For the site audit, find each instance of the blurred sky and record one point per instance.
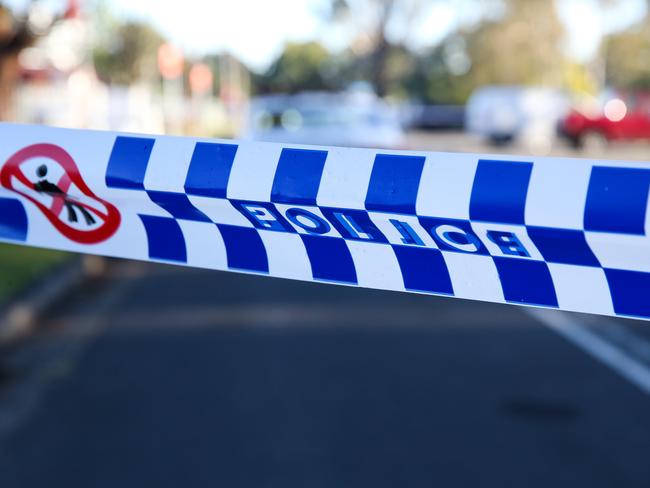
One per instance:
(255, 30)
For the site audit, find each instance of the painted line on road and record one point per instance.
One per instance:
(570, 327)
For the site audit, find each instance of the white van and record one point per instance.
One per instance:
(527, 115)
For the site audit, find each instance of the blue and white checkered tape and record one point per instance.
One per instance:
(552, 232)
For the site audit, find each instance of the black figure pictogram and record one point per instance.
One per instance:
(44, 186)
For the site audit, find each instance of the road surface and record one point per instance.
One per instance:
(166, 376)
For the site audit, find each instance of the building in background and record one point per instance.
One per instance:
(60, 85)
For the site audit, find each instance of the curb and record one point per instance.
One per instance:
(19, 316)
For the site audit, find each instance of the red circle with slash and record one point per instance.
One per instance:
(110, 218)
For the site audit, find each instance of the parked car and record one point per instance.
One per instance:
(616, 115)
(434, 116)
(337, 119)
(504, 114)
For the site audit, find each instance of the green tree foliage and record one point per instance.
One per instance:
(440, 75)
(398, 65)
(128, 53)
(380, 57)
(213, 60)
(627, 57)
(309, 66)
(14, 36)
(14, 33)
(523, 47)
(301, 66)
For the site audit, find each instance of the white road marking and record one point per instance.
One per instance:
(618, 359)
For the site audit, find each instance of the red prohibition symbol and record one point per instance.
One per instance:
(96, 219)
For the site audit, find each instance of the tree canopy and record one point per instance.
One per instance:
(523, 46)
(301, 66)
(128, 53)
(627, 56)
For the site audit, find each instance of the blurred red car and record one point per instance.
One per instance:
(619, 116)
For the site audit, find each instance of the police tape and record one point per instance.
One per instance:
(551, 232)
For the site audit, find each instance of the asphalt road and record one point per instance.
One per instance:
(165, 376)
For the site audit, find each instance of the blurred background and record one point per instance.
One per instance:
(138, 373)
(347, 72)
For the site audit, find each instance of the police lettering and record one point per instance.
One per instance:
(447, 234)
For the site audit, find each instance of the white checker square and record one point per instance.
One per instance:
(446, 185)
(620, 251)
(135, 202)
(345, 178)
(376, 266)
(219, 210)
(204, 244)
(168, 164)
(130, 240)
(474, 276)
(557, 193)
(287, 255)
(253, 171)
(581, 288)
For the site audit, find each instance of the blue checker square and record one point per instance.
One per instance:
(210, 168)
(617, 199)
(394, 183)
(297, 177)
(178, 205)
(563, 246)
(526, 281)
(128, 162)
(630, 291)
(13, 220)
(244, 248)
(499, 191)
(423, 269)
(165, 238)
(330, 259)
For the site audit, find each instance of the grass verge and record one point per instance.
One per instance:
(21, 265)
